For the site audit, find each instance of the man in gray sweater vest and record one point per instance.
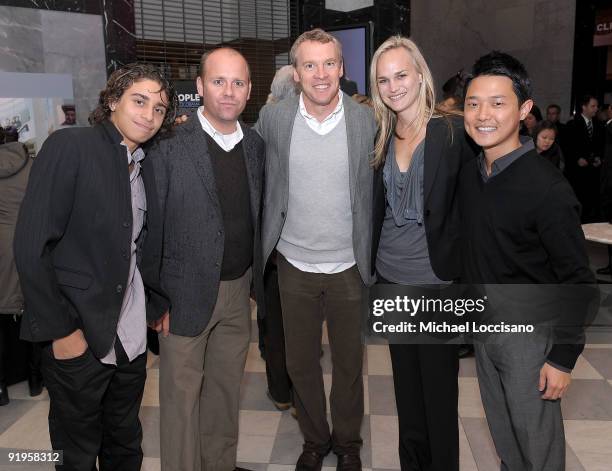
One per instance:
(317, 213)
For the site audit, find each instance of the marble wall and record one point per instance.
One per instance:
(43, 41)
(454, 33)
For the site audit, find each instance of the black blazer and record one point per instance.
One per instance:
(193, 224)
(73, 238)
(446, 149)
(580, 145)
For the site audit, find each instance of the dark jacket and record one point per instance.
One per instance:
(193, 223)
(446, 150)
(15, 165)
(73, 238)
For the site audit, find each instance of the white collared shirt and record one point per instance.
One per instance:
(586, 120)
(226, 141)
(329, 123)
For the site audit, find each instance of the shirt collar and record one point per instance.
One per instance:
(137, 156)
(505, 161)
(210, 129)
(338, 109)
(586, 120)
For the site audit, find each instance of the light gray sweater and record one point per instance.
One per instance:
(319, 223)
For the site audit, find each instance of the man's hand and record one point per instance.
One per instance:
(162, 324)
(71, 346)
(554, 381)
(582, 162)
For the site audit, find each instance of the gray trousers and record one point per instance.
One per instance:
(199, 385)
(527, 430)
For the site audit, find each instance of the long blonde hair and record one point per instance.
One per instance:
(426, 100)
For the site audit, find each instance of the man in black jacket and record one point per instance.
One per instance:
(87, 242)
(521, 226)
(583, 160)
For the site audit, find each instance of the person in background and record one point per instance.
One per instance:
(15, 166)
(583, 159)
(533, 118)
(452, 93)
(69, 115)
(544, 138)
(553, 114)
(419, 152)
(271, 326)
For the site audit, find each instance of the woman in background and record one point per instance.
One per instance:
(418, 155)
(544, 138)
(531, 121)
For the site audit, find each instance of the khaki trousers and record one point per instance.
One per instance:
(199, 385)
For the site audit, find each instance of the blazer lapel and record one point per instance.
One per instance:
(253, 166)
(433, 155)
(285, 131)
(197, 150)
(353, 137)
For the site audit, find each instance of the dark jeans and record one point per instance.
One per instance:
(307, 299)
(279, 383)
(426, 395)
(94, 410)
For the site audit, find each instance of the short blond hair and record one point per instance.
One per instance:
(316, 35)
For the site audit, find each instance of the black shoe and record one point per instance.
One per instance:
(278, 405)
(35, 383)
(309, 461)
(350, 462)
(604, 270)
(4, 398)
(241, 469)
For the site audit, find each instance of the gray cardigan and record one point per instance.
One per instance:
(275, 125)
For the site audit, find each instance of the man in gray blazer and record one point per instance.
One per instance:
(210, 178)
(317, 214)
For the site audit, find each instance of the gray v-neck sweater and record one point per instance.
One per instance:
(319, 223)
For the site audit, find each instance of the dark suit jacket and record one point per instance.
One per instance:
(580, 145)
(446, 150)
(73, 238)
(193, 223)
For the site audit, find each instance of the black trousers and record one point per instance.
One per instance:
(426, 394)
(94, 410)
(279, 383)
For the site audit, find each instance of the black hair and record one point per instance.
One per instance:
(585, 99)
(543, 125)
(505, 65)
(122, 79)
(453, 87)
(554, 105)
(11, 134)
(535, 111)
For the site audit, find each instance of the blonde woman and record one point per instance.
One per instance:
(418, 155)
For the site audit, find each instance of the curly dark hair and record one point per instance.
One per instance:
(122, 79)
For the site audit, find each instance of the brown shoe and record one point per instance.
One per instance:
(309, 461)
(350, 462)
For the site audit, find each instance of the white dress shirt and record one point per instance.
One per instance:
(226, 141)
